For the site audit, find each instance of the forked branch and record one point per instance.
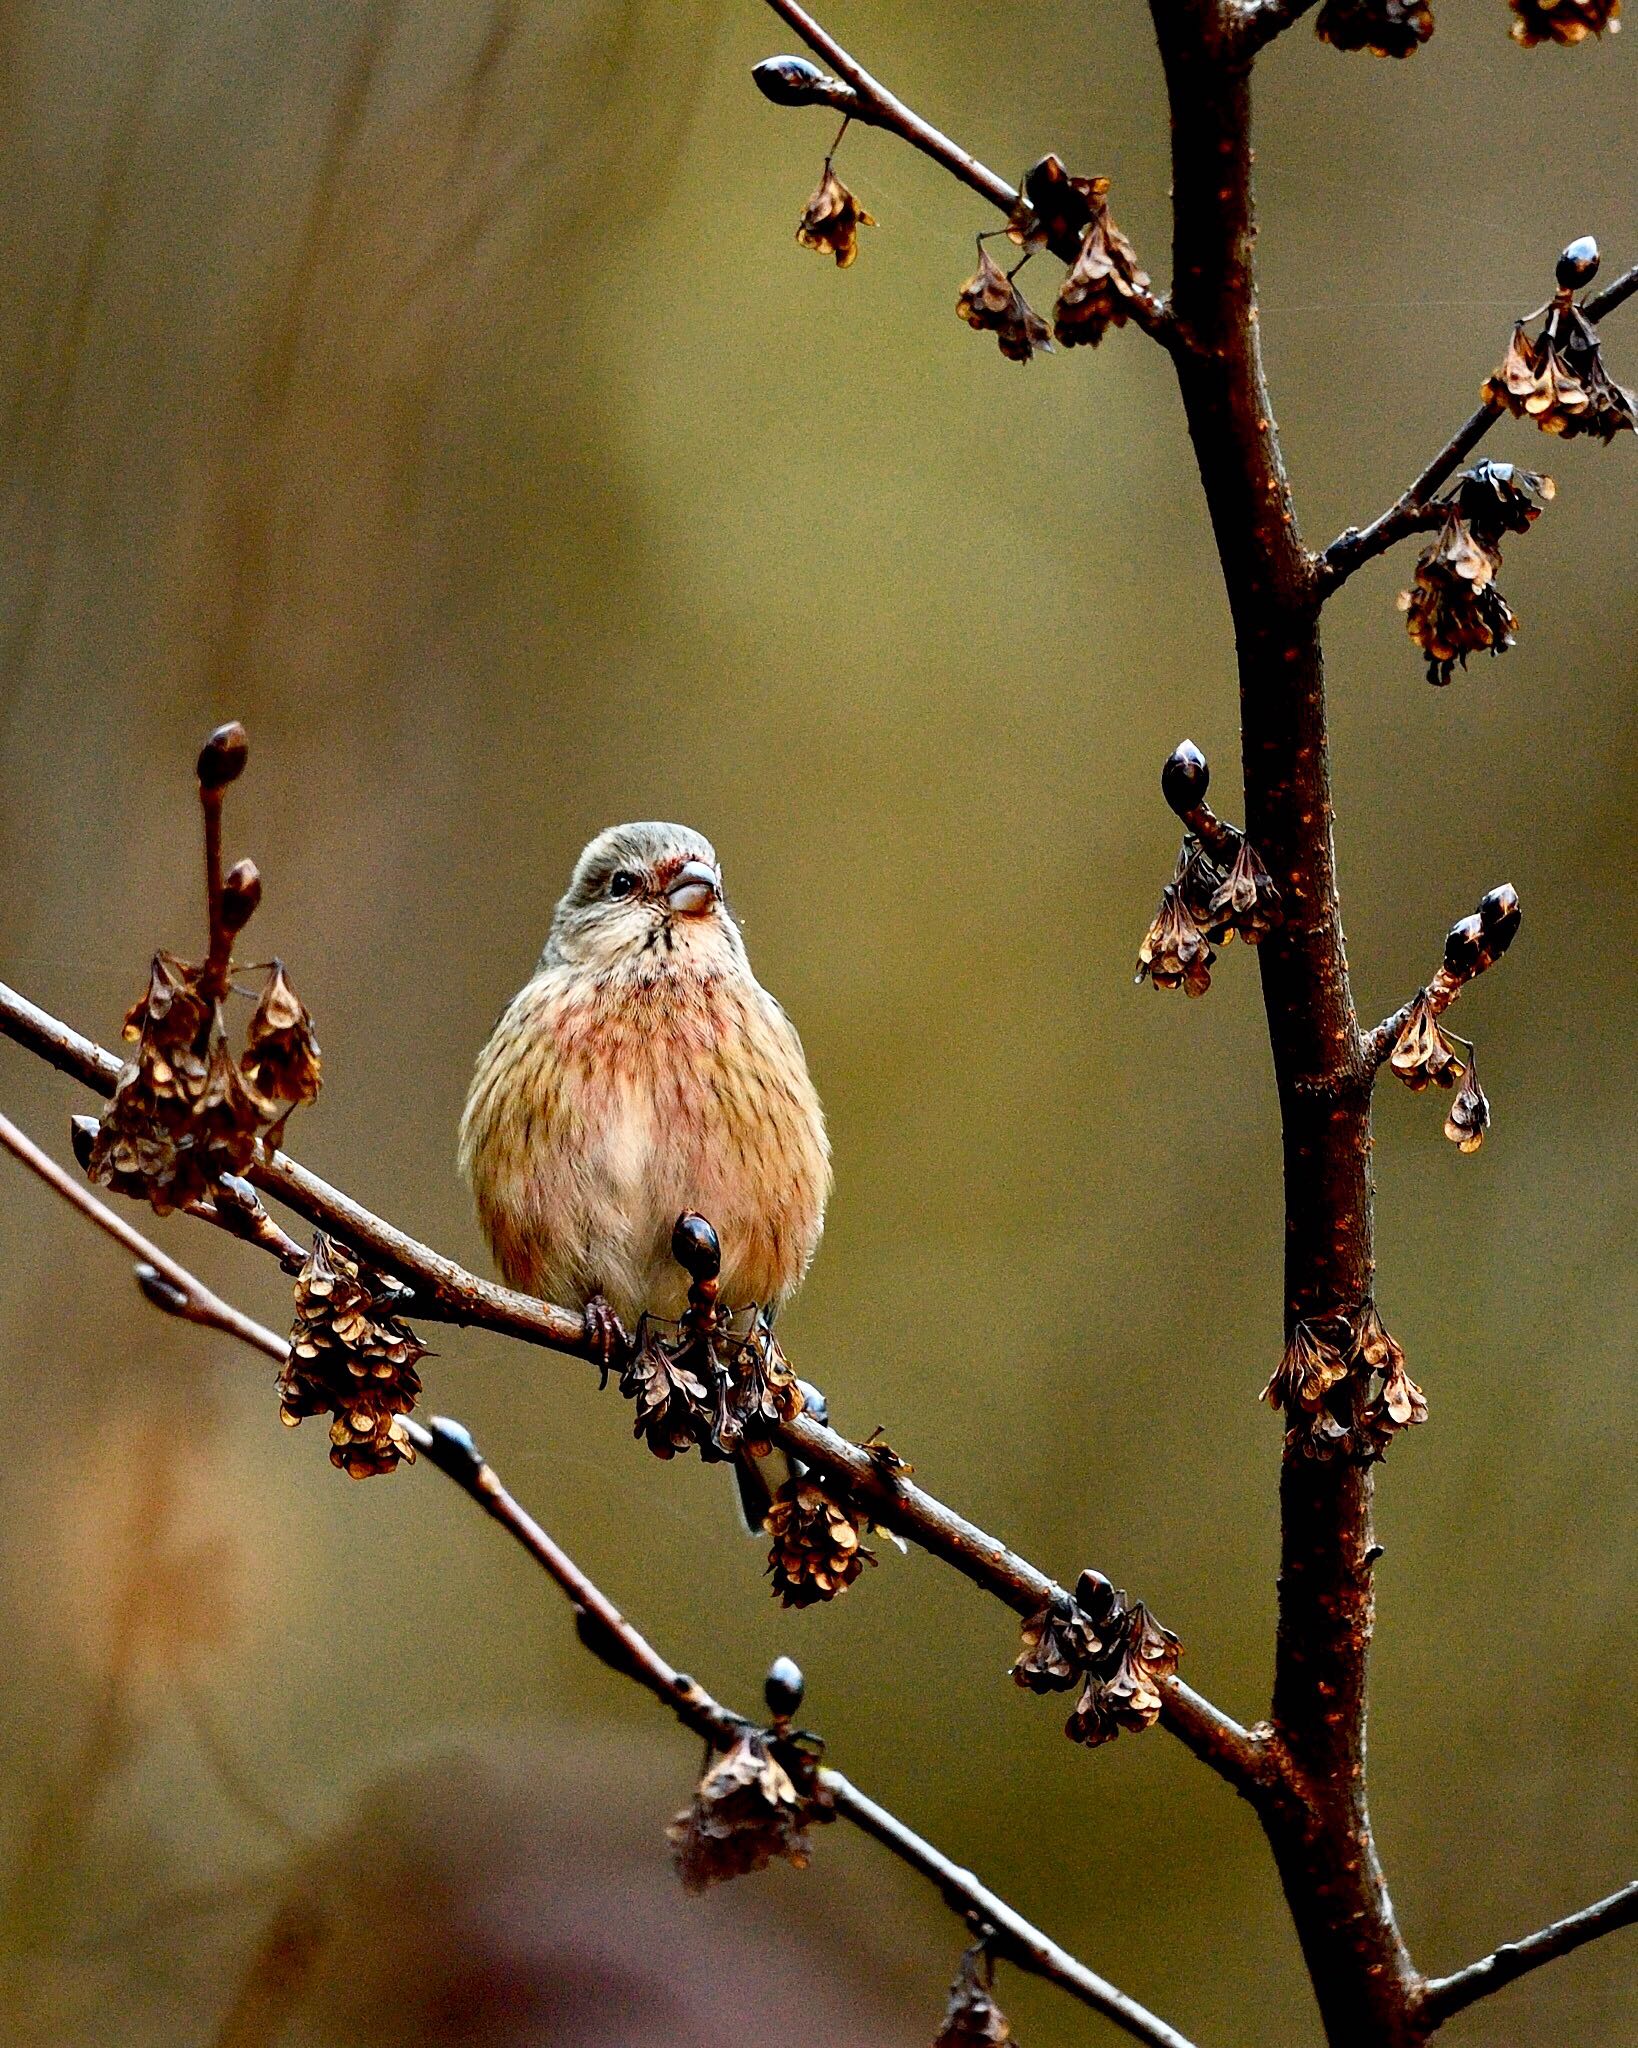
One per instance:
(1444, 1996)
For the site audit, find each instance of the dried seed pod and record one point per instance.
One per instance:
(1563, 21)
(1310, 1366)
(223, 756)
(1102, 285)
(991, 302)
(1422, 1053)
(282, 1059)
(1469, 1116)
(1053, 210)
(353, 1359)
(746, 1812)
(818, 1544)
(1454, 608)
(1060, 1644)
(1499, 497)
(1560, 381)
(1245, 901)
(831, 220)
(1387, 28)
(972, 2019)
(1175, 953)
(1125, 1694)
(676, 1411)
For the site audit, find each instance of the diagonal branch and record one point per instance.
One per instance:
(605, 1631)
(1412, 512)
(445, 1291)
(1514, 1959)
(855, 93)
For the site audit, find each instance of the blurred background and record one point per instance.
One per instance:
(439, 389)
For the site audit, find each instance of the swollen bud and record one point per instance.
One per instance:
(1465, 947)
(241, 892)
(223, 756)
(163, 1293)
(82, 1135)
(791, 81)
(695, 1248)
(1578, 265)
(1185, 778)
(450, 1447)
(783, 1687)
(1095, 1596)
(1499, 914)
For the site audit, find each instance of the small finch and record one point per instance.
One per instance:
(642, 1072)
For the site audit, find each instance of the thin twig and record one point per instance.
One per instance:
(865, 99)
(1514, 1959)
(445, 1291)
(609, 1635)
(1411, 512)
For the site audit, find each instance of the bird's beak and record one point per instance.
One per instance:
(693, 889)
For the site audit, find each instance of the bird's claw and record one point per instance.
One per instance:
(606, 1341)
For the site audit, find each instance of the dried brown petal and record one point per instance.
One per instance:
(1422, 1053)
(1245, 901)
(1563, 21)
(764, 1392)
(746, 1812)
(972, 2019)
(831, 220)
(281, 1058)
(1309, 1367)
(1125, 1694)
(1060, 1644)
(990, 301)
(1100, 288)
(1560, 381)
(1387, 28)
(1175, 953)
(351, 1358)
(676, 1410)
(818, 1545)
(1469, 1116)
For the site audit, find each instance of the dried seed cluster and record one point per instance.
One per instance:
(818, 1546)
(1563, 21)
(1558, 379)
(1114, 1650)
(752, 1806)
(992, 302)
(351, 1358)
(1220, 887)
(1422, 1054)
(1399, 28)
(972, 2019)
(831, 220)
(1454, 608)
(1342, 1383)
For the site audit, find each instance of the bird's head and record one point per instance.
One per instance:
(646, 893)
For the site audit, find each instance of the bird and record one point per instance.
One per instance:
(641, 1073)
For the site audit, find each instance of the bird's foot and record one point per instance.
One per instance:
(607, 1344)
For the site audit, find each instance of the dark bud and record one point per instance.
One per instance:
(1579, 264)
(452, 1450)
(1465, 947)
(241, 892)
(223, 756)
(1499, 914)
(1095, 1597)
(792, 81)
(783, 1687)
(695, 1248)
(1185, 778)
(82, 1135)
(164, 1294)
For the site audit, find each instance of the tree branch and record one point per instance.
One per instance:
(446, 1291)
(606, 1632)
(1411, 511)
(1257, 22)
(1514, 1959)
(855, 93)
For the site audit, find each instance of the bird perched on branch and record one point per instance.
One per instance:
(643, 1072)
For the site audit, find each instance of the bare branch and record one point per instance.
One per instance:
(1443, 1996)
(607, 1633)
(446, 1291)
(1472, 946)
(1411, 512)
(854, 92)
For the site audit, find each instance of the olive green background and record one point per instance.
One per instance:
(443, 393)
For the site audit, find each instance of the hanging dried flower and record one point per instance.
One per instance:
(765, 1390)
(1387, 28)
(351, 1358)
(1175, 953)
(1469, 1116)
(1499, 497)
(1053, 209)
(972, 2019)
(1422, 1053)
(676, 1410)
(1560, 381)
(1399, 1402)
(818, 1548)
(1310, 1366)
(1454, 609)
(281, 1059)
(1068, 1637)
(1245, 901)
(990, 301)
(1125, 1693)
(831, 220)
(1563, 21)
(746, 1812)
(1101, 286)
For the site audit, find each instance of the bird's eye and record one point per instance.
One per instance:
(621, 883)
